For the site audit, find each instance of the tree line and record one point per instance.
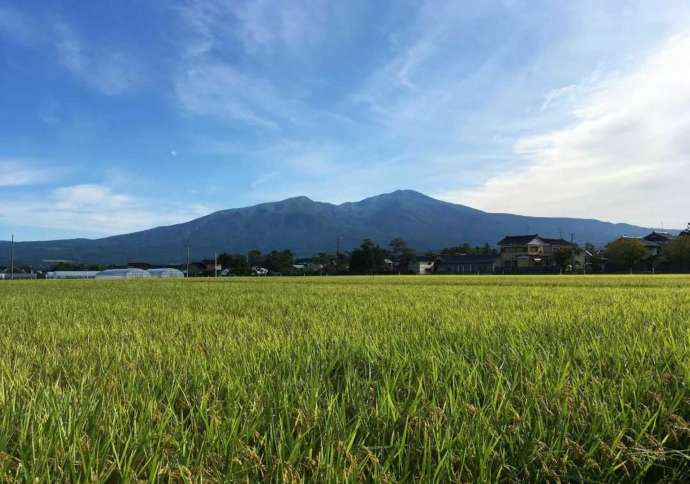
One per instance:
(631, 254)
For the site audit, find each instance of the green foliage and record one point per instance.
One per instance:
(677, 253)
(369, 258)
(626, 253)
(563, 257)
(279, 261)
(237, 263)
(323, 379)
(402, 253)
(255, 258)
(466, 248)
(75, 266)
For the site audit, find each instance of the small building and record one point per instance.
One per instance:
(17, 275)
(259, 271)
(71, 274)
(166, 273)
(466, 264)
(421, 265)
(129, 273)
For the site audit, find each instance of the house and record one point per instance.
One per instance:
(534, 253)
(466, 264)
(658, 237)
(421, 265)
(652, 242)
(653, 247)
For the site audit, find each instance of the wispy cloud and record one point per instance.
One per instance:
(17, 173)
(95, 209)
(271, 24)
(15, 26)
(626, 156)
(220, 90)
(109, 71)
(259, 26)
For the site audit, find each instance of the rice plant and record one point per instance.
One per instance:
(464, 379)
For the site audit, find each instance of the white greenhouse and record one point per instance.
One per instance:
(71, 274)
(129, 273)
(166, 273)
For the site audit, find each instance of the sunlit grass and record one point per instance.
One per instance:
(332, 379)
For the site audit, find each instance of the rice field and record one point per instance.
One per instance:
(332, 379)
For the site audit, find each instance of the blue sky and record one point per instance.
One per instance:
(121, 115)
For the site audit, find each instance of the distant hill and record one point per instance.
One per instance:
(308, 227)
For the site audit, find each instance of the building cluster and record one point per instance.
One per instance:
(515, 254)
(525, 254)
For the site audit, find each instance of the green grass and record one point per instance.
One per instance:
(345, 379)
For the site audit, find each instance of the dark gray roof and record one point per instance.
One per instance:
(556, 241)
(517, 239)
(467, 259)
(658, 237)
(524, 239)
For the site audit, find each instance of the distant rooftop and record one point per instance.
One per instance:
(525, 239)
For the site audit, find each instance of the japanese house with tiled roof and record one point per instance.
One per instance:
(533, 252)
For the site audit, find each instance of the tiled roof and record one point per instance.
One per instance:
(525, 239)
(517, 239)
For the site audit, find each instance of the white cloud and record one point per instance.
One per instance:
(95, 209)
(625, 158)
(16, 173)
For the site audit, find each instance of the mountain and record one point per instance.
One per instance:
(308, 227)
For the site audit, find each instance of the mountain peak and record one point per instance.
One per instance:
(298, 199)
(397, 195)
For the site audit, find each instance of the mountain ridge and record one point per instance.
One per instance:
(307, 227)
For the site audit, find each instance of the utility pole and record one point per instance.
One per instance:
(12, 259)
(215, 264)
(572, 251)
(187, 260)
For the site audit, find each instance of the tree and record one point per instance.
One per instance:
(237, 263)
(369, 258)
(255, 258)
(626, 253)
(402, 253)
(563, 257)
(280, 261)
(677, 252)
(465, 248)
